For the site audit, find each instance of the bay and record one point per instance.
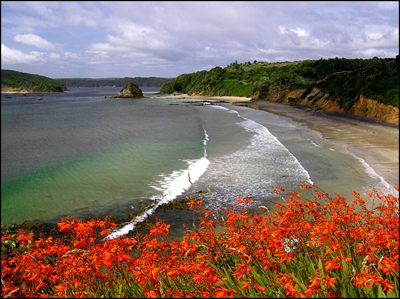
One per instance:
(80, 153)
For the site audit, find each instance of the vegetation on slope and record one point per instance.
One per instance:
(130, 90)
(140, 81)
(346, 79)
(341, 251)
(24, 82)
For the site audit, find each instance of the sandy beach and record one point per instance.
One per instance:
(230, 99)
(376, 144)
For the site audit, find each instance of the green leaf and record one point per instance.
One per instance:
(10, 243)
(391, 294)
(345, 267)
(380, 292)
(261, 279)
(320, 267)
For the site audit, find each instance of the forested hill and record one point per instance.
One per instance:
(314, 83)
(13, 81)
(140, 81)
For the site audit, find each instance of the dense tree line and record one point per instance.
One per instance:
(375, 78)
(118, 82)
(18, 81)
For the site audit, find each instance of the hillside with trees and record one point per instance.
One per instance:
(118, 82)
(340, 80)
(13, 81)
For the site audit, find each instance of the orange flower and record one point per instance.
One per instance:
(330, 282)
(160, 229)
(386, 285)
(245, 285)
(260, 288)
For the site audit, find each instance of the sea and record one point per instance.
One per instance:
(83, 153)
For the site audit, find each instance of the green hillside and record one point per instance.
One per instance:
(374, 78)
(24, 82)
(140, 81)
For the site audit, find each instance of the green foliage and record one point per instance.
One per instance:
(140, 81)
(133, 90)
(341, 78)
(18, 81)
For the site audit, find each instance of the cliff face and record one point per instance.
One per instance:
(370, 108)
(319, 100)
(130, 90)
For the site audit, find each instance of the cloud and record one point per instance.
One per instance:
(35, 40)
(73, 56)
(12, 56)
(187, 36)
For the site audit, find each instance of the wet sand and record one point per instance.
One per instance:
(376, 143)
(228, 99)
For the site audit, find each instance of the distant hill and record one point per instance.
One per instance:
(356, 86)
(118, 82)
(13, 81)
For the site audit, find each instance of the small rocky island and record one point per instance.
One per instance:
(130, 90)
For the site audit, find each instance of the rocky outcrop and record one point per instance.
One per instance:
(131, 90)
(316, 99)
(370, 108)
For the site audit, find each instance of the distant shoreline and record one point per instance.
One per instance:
(230, 99)
(21, 93)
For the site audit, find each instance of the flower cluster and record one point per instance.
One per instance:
(319, 247)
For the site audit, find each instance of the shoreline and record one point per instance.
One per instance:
(374, 143)
(228, 99)
(21, 93)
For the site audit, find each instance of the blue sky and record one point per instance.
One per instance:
(164, 39)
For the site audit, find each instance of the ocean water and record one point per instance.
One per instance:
(79, 153)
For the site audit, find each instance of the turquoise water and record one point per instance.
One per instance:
(107, 181)
(79, 153)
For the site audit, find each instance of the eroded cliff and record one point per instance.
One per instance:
(317, 99)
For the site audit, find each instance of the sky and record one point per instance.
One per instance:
(105, 39)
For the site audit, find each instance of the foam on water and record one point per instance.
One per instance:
(171, 185)
(220, 107)
(376, 180)
(253, 170)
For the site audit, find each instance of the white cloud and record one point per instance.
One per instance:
(300, 32)
(35, 40)
(72, 56)
(54, 56)
(282, 30)
(368, 53)
(185, 36)
(388, 5)
(107, 47)
(99, 54)
(12, 56)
